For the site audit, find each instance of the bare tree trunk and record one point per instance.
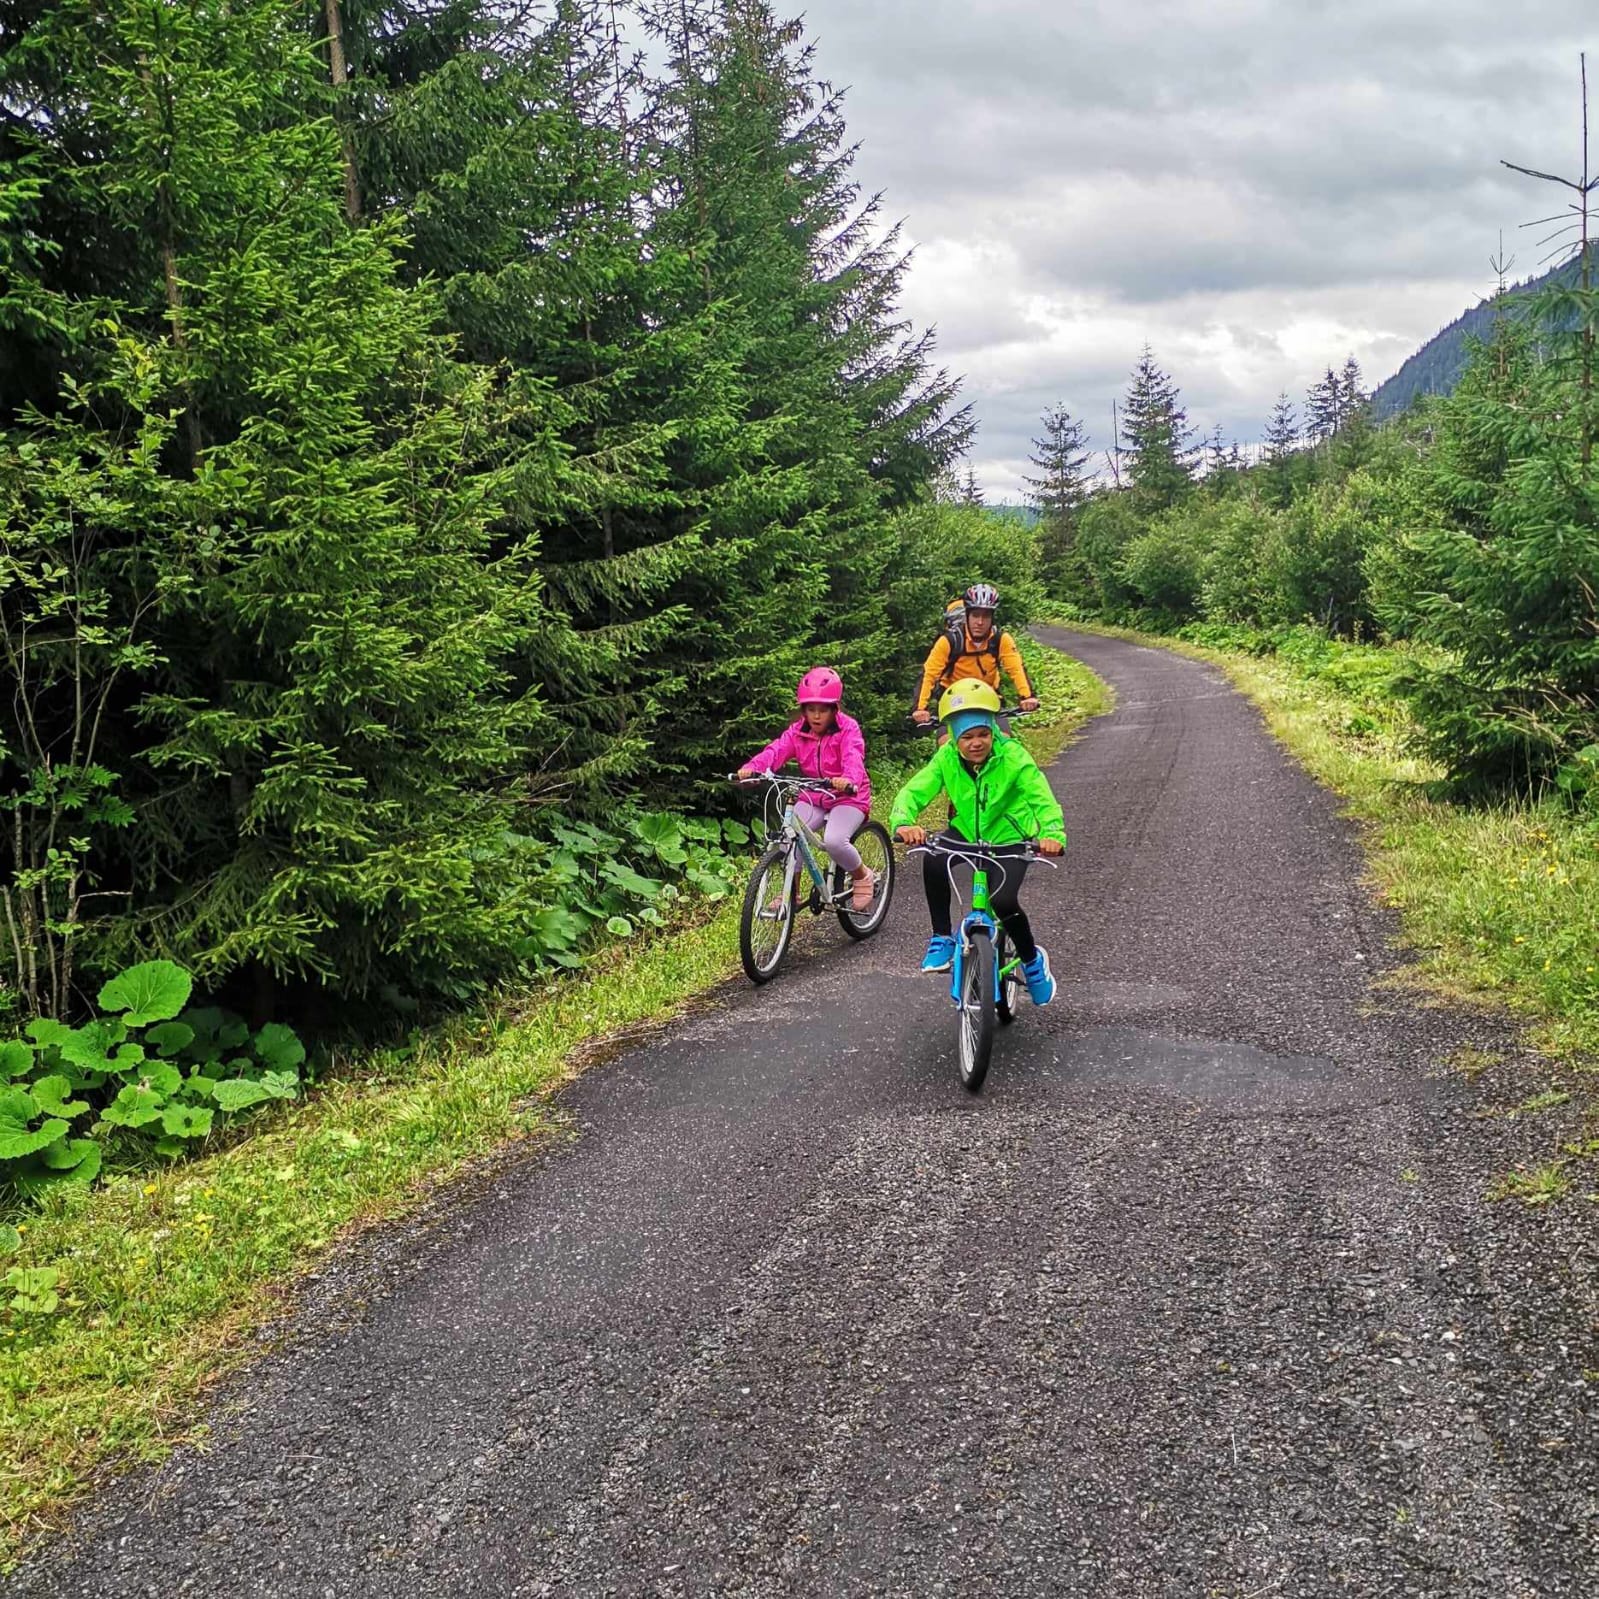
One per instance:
(340, 74)
(1583, 188)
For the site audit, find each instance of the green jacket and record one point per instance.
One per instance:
(1006, 800)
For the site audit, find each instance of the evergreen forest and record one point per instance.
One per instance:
(435, 435)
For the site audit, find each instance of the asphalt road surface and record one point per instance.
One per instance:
(1200, 1297)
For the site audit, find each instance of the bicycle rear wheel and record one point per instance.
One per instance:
(1010, 983)
(767, 921)
(976, 1011)
(878, 854)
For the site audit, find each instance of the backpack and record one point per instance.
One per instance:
(955, 627)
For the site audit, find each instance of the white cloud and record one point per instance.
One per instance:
(1257, 188)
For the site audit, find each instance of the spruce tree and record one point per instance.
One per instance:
(1324, 409)
(1352, 446)
(1504, 585)
(1156, 438)
(317, 737)
(1282, 439)
(1059, 492)
(809, 409)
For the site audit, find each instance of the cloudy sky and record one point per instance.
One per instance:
(1257, 188)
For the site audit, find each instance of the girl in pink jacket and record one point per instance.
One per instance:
(829, 746)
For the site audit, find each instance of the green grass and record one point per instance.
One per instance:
(167, 1277)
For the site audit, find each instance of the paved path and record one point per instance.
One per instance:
(1199, 1298)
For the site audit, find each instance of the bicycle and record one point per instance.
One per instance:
(772, 898)
(985, 979)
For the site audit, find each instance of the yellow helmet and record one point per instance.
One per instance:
(969, 694)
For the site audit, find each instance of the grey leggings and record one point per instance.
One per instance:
(842, 823)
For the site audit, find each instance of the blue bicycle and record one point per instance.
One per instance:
(986, 978)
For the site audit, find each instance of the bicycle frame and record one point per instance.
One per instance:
(809, 847)
(804, 844)
(978, 921)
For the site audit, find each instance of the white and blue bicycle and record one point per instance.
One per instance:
(794, 874)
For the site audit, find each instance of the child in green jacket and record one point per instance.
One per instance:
(997, 794)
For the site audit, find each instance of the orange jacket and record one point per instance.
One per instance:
(937, 670)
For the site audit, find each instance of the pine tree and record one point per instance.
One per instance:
(1324, 409)
(1156, 433)
(1059, 492)
(317, 735)
(1282, 439)
(809, 410)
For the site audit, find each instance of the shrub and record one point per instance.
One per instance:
(146, 1072)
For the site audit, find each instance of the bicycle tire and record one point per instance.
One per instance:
(878, 853)
(976, 1041)
(766, 881)
(1009, 986)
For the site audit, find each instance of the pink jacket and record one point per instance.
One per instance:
(841, 753)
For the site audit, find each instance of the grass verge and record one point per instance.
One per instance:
(1499, 902)
(165, 1276)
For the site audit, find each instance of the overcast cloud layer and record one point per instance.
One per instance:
(1257, 190)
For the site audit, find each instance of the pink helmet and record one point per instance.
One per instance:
(820, 686)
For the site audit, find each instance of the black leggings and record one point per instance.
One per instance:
(1004, 888)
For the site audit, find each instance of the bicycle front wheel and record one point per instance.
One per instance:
(878, 854)
(976, 1011)
(767, 923)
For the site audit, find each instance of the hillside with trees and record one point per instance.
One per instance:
(1441, 362)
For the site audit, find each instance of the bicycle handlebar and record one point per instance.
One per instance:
(1004, 710)
(801, 781)
(953, 848)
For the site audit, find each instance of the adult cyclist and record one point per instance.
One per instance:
(974, 648)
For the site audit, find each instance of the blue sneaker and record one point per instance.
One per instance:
(940, 954)
(1040, 980)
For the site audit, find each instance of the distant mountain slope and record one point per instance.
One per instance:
(1436, 367)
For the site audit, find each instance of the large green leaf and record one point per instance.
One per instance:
(169, 1038)
(239, 1093)
(279, 1047)
(153, 991)
(626, 878)
(16, 1104)
(186, 1121)
(162, 1076)
(10, 1239)
(50, 1095)
(76, 1159)
(16, 1059)
(135, 1106)
(46, 1030)
(90, 1046)
(16, 1140)
(660, 833)
(33, 1288)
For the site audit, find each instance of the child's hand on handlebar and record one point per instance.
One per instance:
(1051, 846)
(842, 785)
(1029, 704)
(922, 717)
(745, 773)
(912, 835)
